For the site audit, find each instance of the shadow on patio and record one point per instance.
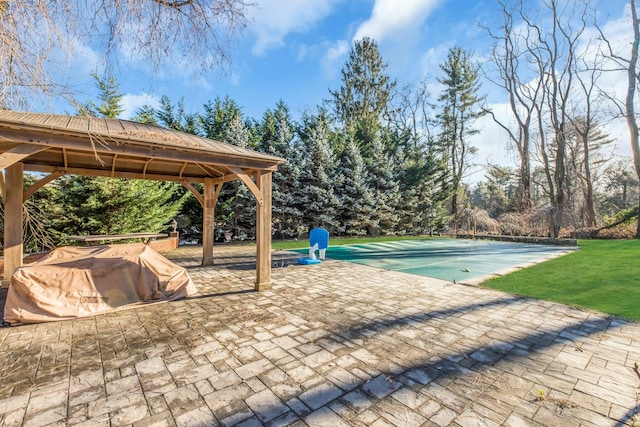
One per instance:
(334, 344)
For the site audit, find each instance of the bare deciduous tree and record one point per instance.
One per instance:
(158, 32)
(626, 108)
(511, 63)
(584, 122)
(553, 49)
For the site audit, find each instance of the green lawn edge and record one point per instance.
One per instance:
(603, 275)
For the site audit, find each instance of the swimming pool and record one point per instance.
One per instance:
(459, 260)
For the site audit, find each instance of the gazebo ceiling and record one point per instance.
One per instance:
(63, 144)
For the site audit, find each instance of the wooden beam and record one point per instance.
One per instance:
(263, 234)
(114, 161)
(194, 191)
(210, 170)
(218, 188)
(208, 222)
(38, 138)
(146, 165)
(183, 167)
(13, 219)
(107, 173)
(18, 153)
(249, 183)
(39, 184)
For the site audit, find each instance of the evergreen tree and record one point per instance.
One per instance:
(460, 107)
(267, 134)
(175, 117)
(242, 204)
(146, 114)
(218, 116)
(276, 137)
(293, 224)
(110, 99)
(385, 188)
(287, 213)
(364, 95)
(88, 205)
(425, 188)
(489, 196)
(407, 175)
(316, 180)
(357, 205)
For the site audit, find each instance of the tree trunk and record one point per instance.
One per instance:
(523, 193)
(559, 178)
(590, 209)
(631, 116)
(638, 229)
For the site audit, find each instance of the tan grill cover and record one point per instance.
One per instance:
(76, 281)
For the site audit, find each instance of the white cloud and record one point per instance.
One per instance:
(88, 59)
(274, 19)
(433, 57)
(392, 17)
(131, 102)
(332, 59)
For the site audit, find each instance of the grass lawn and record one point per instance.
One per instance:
(604, 275)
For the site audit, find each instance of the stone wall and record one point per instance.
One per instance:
(520, 239)
(164, 245)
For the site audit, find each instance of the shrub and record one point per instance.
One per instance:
(534, 222)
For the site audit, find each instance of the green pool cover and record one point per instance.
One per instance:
(446, 259)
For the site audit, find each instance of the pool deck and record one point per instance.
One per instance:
(334, 344)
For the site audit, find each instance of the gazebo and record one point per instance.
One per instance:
(56, 145)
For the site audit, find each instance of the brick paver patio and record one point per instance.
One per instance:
(335, 344)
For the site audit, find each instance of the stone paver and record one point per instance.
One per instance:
(332, 344)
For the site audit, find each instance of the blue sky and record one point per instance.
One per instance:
(294, 49)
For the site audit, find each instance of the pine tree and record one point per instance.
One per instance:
(176, 118)
(113, 206)
(364, 95)
(422, 174)
(145, 114)
(287, 216)
(293, 224)
(316, 180)
(218, 116)
(385, 188)
(241, 205)
(109, 96)
(460, 107)
(276, 137)
(357, 205)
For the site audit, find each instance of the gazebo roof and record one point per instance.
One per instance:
(119, 148)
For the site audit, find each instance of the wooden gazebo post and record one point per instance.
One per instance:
(263, 233)
(13, 219)
(208, 211)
